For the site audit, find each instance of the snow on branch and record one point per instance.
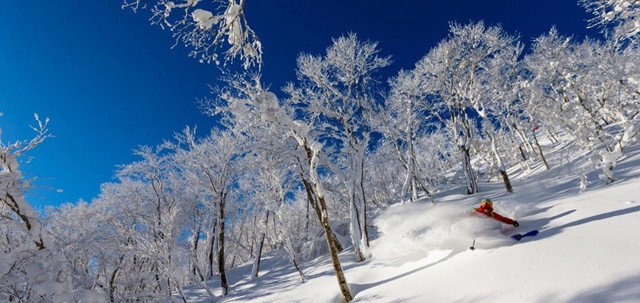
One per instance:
(12, 185)
(623, 15)
(208, 30)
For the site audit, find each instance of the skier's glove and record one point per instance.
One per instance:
(516, 224)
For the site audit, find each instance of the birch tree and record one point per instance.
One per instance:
(454, 74)
(272, 182)
(403, 122)
(496, 92)
(588, 89)
(338, 90)
(149, 193)
(209, 165)
(247, 98)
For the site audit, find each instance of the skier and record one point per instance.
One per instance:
(486, 208)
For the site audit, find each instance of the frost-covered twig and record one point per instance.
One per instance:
(205, 30)
(622, 15)
(12, 185)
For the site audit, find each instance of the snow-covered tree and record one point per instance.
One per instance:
(589, 90)
(76, 234)
(455, 74)
(28, 250)
(293, 226)
(272, 177)
(208, 164)
(544, 85)
(33, 263)
(145, 219)
(208, 28)
(245, 99)
(338, 91)
(497, 91)
(13, 186)
(622, 15)
(403, 123)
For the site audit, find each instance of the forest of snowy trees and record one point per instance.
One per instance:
(303, 169)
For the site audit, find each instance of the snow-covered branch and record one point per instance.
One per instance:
(210, 29)
(622, 15)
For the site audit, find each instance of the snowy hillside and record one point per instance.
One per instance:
(348, 173)
(587, 249)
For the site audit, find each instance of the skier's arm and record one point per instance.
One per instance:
(502, 219)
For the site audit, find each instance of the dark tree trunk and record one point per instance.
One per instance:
(221, 260)
(364, 206)
(507, 182)
(212, 249)
(522, 154)
(258, 252)
(196, 240)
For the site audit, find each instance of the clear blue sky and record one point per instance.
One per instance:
(110, 82)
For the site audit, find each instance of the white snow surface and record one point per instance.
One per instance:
(587, 249)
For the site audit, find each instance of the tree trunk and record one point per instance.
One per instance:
(181, 293)
(364, 207)
(212, 249)
(500, 163)
(472, 183)
(312, 201)
(544, 160)
(22, 213)
(221, 260)
(196, 240)
(412, 169)
(290, 248)
(553, 136)
(356, 206)
(324, 220)
(405, 186)
(410, 166)
(258, 252)
(307, 217)
(507, 182)
(355, 230)
(333, 251)
(522, 154)
(112, 281)
(297, 267)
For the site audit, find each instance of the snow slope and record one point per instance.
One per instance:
(587, 249)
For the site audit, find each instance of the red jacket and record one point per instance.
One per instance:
(488, 210)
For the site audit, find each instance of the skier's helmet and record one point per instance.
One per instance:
(486, 202)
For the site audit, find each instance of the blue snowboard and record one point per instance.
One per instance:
(519, 237)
